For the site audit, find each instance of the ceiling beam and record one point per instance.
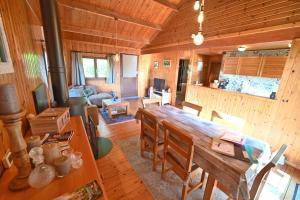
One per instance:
(167, 4)
(107, 13)
(84, 42)
(95, 32)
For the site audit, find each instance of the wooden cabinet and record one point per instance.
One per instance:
(263, 66)
(273, 66)
(249, 66)
(230, 65)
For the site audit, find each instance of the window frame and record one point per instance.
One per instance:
(95, 68)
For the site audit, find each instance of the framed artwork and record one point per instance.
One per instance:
(156, 64)
(167, 63)
(6, 65)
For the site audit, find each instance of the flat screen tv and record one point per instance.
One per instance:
(40, 98)
(159, 84)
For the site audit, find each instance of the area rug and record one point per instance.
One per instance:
(297, 192)
(104, 146)
(116, 118)
(168, 189)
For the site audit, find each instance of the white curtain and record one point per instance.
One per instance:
(77, 69)
(110, 77)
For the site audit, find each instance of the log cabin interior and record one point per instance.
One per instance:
(150, 99)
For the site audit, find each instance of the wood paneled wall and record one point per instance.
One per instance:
(230, 22)
(170, 74)
(26, 55)
(274, 121)
(71, 45)
(256, 111)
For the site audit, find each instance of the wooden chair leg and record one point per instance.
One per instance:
(154, 158)
(142, 147)
(185, 190)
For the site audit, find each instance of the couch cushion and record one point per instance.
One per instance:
(96, 99)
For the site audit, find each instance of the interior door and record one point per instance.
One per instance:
(129, 72)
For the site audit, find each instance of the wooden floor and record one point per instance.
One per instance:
(119, 178)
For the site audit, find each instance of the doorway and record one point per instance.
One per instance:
(182, 80)
(129, 76)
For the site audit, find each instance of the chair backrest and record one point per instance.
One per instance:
(149, 126)
(254, 194)
(92, 136)
(194, 107)
(146, 102)
(227, 120)
(178, 149)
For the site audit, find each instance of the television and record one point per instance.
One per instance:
(159, 84)
(40, 98)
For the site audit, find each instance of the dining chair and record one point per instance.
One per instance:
(147, 101)
(178, 152)
(151, 136)
(260, 178)
(229, 121)
(189, 106)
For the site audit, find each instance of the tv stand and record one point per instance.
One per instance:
(163, 95)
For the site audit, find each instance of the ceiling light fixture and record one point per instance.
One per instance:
(242, 48)
(117, 57)
(197, 5)
(198, 38)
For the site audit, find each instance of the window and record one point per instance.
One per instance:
(95, 67)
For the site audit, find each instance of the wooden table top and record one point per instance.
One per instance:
(111, 102)
(234, 173)
(77, 177)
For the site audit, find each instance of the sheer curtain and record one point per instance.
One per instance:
(77, 69)
(110, 77)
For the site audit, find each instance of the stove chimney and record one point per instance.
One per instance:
(51, 26)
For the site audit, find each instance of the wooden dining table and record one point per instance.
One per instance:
(235, 174)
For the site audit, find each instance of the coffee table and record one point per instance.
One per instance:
(115, 107)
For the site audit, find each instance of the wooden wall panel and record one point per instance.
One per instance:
(255, 111)
(170, 74)
(286, 118)
(25, 53)
(71, 45)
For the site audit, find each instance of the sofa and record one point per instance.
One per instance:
(90, 93)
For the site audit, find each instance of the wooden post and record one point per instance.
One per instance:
(12, 120)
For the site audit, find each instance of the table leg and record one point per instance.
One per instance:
(127, 109)
(210, 184)
(109, 112)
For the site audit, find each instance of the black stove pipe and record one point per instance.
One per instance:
(51, 26)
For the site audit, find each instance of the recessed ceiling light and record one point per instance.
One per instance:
(290, 45)
(242, 48)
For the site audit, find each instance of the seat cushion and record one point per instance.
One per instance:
(96, 99)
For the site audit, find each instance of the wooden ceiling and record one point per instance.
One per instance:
(163, 25)
(136, 22)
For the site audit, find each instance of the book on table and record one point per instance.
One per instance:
(90, 191)
(243, 152)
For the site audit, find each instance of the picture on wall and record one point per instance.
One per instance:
(167, 63)
(5, 60)
(156, 64)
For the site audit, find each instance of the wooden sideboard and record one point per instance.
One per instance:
(77, 177)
